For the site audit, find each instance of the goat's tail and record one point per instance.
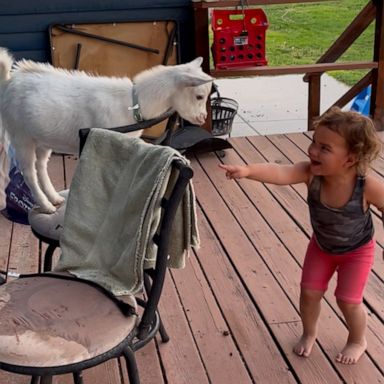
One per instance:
(4, 168)
(6, 61)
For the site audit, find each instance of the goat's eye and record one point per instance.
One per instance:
(199, 97)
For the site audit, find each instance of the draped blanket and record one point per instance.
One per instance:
(113, 212)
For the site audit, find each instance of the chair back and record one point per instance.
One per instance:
(80, 220)
(169, 207)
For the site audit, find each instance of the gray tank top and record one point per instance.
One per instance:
(340, 230)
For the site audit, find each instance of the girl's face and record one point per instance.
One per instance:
(328, 153)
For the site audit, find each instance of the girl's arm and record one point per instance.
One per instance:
(270, 172)
(374, 194)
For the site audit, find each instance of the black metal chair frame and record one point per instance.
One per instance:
(150, 320)
(163, 139)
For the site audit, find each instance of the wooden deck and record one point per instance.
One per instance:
(232, 313)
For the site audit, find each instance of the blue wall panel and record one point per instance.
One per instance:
(24, 24)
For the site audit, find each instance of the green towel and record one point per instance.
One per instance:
(113, 212)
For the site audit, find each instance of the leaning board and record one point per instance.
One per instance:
(115, 49)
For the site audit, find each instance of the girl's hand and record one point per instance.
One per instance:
(235, 171)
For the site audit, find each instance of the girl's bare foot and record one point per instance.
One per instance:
(304, 346)
(351, 353)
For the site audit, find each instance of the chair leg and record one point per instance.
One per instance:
(46, 380)
(35, 379)
(78, 378)
(48, 257)
(163, 333)
(133, 373)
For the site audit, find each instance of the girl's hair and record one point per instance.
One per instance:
(358, 131)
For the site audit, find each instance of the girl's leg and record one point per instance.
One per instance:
(317, 270)
(310, 305)
(353, 272)
(356, 319)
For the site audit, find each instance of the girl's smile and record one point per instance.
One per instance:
(315, 162)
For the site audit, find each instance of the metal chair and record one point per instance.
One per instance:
(54, 323)
(49, 227)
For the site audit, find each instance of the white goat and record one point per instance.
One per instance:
(42, 109)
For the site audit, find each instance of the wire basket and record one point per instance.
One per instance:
(223, 112)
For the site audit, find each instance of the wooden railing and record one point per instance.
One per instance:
(373, 11)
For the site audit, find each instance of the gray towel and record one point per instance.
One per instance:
(113, 212)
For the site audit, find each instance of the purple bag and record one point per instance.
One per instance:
(18, 197)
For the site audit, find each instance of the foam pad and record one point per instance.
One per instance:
(49, 225)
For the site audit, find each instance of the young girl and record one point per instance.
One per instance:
(340, 192)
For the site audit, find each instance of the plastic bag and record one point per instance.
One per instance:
(18, 197)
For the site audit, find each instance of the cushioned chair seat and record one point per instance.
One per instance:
(49, 225)
(48, 322)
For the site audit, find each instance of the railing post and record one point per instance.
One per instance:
(202, 49)
(314, 82)
(377, 96)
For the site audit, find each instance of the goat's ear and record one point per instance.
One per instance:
(194, 80)
(197, 62)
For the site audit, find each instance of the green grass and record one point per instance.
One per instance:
(301, 33)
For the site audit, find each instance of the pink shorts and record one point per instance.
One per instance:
(352, 270)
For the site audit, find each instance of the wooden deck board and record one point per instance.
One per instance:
(207, 325)
(244, 322)
(280, 262)
(180, 356)
(232, 313)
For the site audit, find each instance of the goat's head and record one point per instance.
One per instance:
(193, 88)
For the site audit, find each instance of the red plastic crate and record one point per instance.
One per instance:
(238, 37)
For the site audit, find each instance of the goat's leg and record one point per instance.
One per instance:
(42, 158)
(26, 157)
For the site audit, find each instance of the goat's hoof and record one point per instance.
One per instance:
(57, 200)
(46, 208)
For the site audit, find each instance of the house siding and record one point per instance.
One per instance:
(24, 25)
